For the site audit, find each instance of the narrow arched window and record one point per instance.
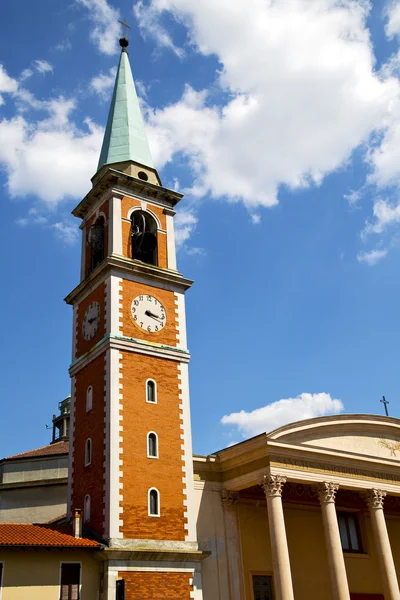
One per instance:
(151, 391)
(88, 452)
(154, 503)
(152, 445)
(144, 237)
(89, 398)
(86, 509)
(96, 241)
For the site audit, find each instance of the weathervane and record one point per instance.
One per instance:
(385, 403)
(124, 25)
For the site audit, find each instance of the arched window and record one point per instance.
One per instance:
(151, 391)
(89, 398)
(86, 509)
(152, 445)
(154, 503)
(144, 237)
(88, 452)
(96, 241)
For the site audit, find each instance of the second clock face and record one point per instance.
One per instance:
(91, 320)
(148, 313)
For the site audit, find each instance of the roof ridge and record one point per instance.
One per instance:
(52, 445)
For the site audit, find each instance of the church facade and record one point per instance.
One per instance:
(311, 510)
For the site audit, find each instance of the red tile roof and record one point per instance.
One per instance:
(34, 535)
(50, 450)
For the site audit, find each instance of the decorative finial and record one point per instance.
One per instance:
(385, 403)
(124, 42)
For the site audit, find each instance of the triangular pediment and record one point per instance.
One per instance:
(364, 435)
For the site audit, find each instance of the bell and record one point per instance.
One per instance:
(149, 242)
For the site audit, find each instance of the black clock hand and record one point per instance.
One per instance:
(153, 316)
(90, 321)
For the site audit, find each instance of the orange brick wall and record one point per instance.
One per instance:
(139, 472)
(154, 586)
(167, 335)
(126, 205)
(98, 295)
(90, 480)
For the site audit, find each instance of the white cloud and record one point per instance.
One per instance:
(106, 28)
(102, 84)
(276, 414)
(151, 27)
(63, 45)
(302, 94)
(393, 19)
(67, 232)
(8, 85)
(385, 213)
(52, 158)
(42, 66)
(185, 223)
(353, 198)
(372, 257)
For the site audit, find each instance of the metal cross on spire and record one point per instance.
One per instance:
(385, 403)
(124, 25)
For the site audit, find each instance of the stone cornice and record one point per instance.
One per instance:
(128, 344)
(114, 180)
(153, 276)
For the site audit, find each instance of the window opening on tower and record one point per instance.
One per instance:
(96, 241)
(144, 237)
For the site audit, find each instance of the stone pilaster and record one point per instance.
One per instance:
(233, 546)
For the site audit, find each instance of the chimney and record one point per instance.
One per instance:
(77, 523)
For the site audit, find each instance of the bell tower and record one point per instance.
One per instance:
(131, 467)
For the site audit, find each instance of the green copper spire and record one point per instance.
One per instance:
(125, 136)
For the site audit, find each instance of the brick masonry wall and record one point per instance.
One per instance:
(140, 585)
(126, 205)
(168, 335)
(139, 472)
(90, 479)
(83, 346)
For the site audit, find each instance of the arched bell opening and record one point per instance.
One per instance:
(96, 241)
(144, 237)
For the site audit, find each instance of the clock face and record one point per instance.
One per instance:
(91, 320)
(148, 313)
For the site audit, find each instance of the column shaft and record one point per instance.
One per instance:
(375, 499)
(273, 485)
(337, 568)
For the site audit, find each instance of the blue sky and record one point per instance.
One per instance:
(281, 124)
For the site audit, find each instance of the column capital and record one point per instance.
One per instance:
(229, 498)
(374, 498)
(272, 485)
(326, 491)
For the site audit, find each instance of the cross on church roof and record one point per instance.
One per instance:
(385, 403)
(125, 25)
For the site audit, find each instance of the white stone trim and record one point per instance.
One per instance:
(180, 318)
(75, 332)
(83, 254)
(111, 576)
(155, 391)
(115, 228)
(171, 249)
(144, 208)
(157, 567)
(154, 489)
(156, 455)
(71, 447)
(114, 305)
(187, 457)
(113, 461)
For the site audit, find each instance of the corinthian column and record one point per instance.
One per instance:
(326, 493)
(272, 486)
(233, 547)
(374, 499)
